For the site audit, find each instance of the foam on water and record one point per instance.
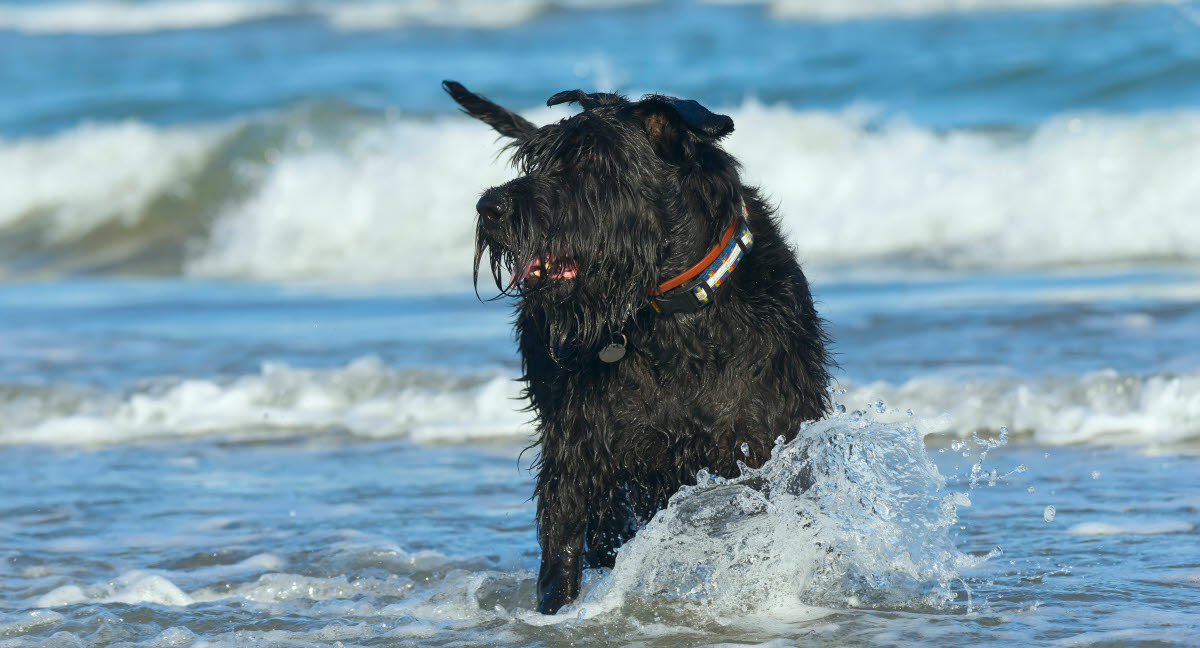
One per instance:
(1075, 191)
(117, 16)
(852, 9)
(74, 181)
(1104, 407)
(1130, 528)
(121, 16)
(393, 200)
(366, 398)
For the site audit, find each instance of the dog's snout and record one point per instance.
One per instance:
(492, 206)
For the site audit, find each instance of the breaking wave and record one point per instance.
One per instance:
(125, 16)
(853, 9)
(296, 196)
(368, 399)
(363, 399)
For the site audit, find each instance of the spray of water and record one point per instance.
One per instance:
(852, 513)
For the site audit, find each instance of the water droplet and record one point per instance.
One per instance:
(746, 449)
(909, 412)
(780, 440)
(841, 392)
(1095, 474)
(1031, 489)
(1049, 513)
(841, 409)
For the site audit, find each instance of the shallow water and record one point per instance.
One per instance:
(248, 397)
(365, 484)
(317, 539)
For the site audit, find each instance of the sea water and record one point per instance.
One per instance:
(248, 395)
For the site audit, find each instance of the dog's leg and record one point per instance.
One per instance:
(562, 508)
(561, 572)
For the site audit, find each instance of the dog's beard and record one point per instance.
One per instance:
(583, 301)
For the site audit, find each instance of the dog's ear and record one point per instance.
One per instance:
(667, 120)
(505, 122)
(584, 99)
(657, 111)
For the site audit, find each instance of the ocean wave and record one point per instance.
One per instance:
(123, 16)
(78, 180)
(1099, 407)
(393, 201)
(370, 198)
(116, 16)
(367, 399)
(853, 9)
(364, 399)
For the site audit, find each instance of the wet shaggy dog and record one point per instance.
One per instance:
(663, 322)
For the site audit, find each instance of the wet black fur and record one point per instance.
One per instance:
(635, 193)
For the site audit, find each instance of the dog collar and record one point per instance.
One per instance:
(697, 286)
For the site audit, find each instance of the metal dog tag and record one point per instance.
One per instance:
(613, 352)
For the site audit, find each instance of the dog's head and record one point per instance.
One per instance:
(609, 202)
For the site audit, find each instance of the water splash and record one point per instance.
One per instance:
(851, 513)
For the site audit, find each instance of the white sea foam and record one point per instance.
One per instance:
(1129, 528)
(397, 202)
(1080, 189)
(117, 16)
(851, 9)
(123, 16)
(1104, 406)
(95, 174)
(365, 398)
(132, 587)
(395, 199)
(471, 13)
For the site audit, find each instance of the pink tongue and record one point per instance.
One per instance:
(566, 271)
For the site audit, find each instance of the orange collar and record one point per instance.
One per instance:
(696, 287)
(694, 271)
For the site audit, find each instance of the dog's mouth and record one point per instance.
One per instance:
(539, 269)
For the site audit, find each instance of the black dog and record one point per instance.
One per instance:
(663, 322)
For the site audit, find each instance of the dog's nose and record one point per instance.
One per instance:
(491, 206)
